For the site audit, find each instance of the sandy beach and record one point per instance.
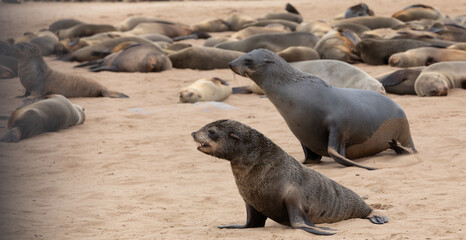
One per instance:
(132, 170)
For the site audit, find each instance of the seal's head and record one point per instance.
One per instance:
(189, 96)
(25, 49)
(431, 84)
(226, 139)
(399, 60)
(260, 63)
(81, 114)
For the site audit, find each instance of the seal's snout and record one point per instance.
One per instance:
(193, 134)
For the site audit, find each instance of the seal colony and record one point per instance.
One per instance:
(275, 185)
(328, 121)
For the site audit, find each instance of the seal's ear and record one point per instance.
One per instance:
(233, 135)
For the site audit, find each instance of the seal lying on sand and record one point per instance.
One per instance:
(328, 121)
(38, 79)
(437, 79)
(214, 89)
(274, 185)
(53, 113)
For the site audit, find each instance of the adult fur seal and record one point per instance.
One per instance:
(39, 79)
(273, 41)
(51, 114)
(214, 89)
(274, 185)
(339, 45)
(425, 56)
(84, 29)
(340, 123)
(437, 79)
(358, 10)
(203, 58)
(135, 57)
(417, 12)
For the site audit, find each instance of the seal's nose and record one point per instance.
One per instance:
(193, 133)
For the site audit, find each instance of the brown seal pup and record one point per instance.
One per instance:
(340, 123)
(401, 81)
(39, 79)
(437, 79)
(273, 41)
(136, 57)
(214, 89)
(378, 51)
(339, 45)
(425, 56)
(84, 30)
(275, 185)
(203, 58)
(416, 12)
(51, 114)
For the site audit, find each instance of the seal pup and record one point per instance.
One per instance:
(50, 114)
(135, 57)
(425, 56)
(214, 89)
(437, 79)
(275, 185)
(340, 74)
(401, 81)
(340, 123)
(38, 79)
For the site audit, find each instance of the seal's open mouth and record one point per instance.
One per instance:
(202, 145)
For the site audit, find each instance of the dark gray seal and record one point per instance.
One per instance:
(39, 80)
(401, 81)
(340, 123)
(51, 114)
(275, 185)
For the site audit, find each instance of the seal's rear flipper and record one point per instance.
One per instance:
(113, 94)
(298, 218)
(377, 217)
(255, 219)
(104, 68)
(291, 9)
(344, 161)
(241, 90)
(398, 149)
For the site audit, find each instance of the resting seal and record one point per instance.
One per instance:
(274, 185)
(437, 79)
(53, 113)
(400, 81)
(38, 79)
(214, 89)
(425, 56)
(339, 45)
(203, 58)
(340, 123)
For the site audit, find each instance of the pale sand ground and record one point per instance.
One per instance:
(132, 170)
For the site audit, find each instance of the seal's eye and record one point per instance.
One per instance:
(211, 132)
(248, 61)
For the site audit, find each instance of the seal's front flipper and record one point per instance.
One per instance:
(310, 156)
(255, 219)
(299, 219)
(377, 217)
(398, 149)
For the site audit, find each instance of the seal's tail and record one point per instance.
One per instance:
(113, 94)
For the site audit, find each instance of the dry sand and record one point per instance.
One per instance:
(132, 170)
